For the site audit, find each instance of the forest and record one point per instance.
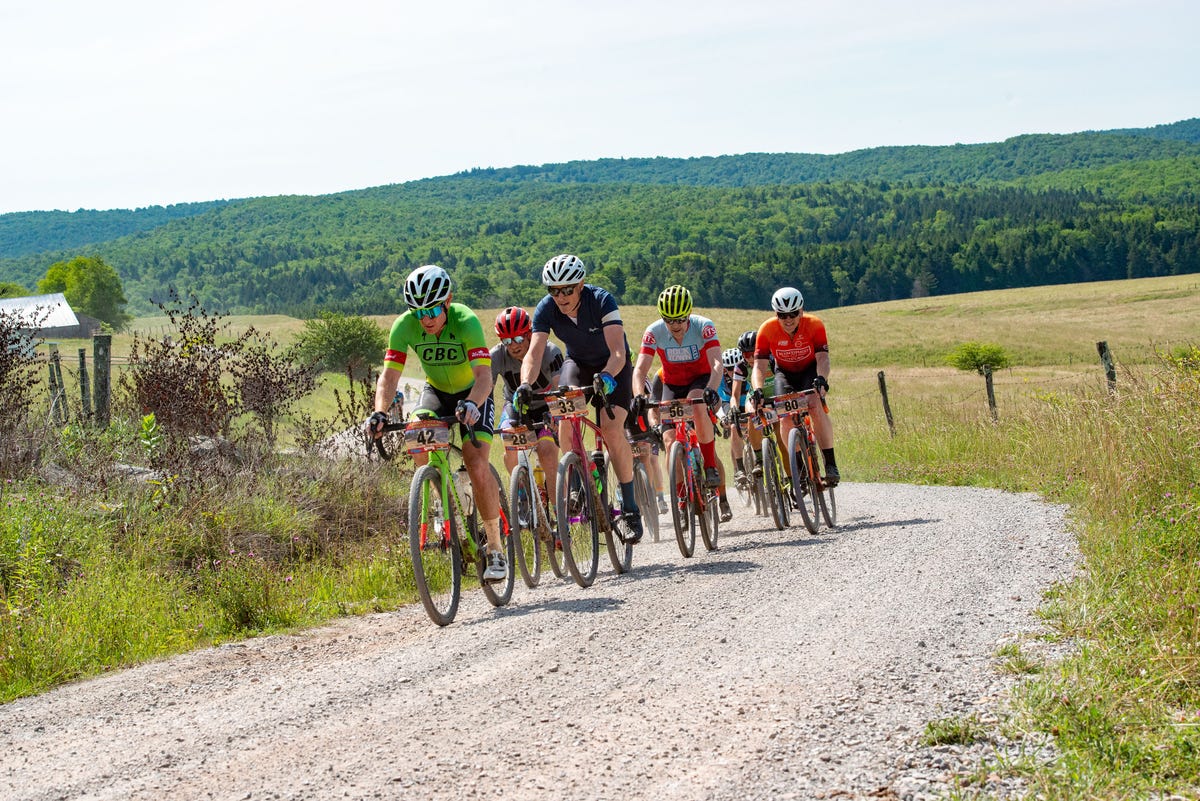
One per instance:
(879, 224)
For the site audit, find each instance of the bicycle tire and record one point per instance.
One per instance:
(436, 559)
(498, 593)
(750, 459)
(773, 483)
(682, 512)
(643, 492)
(523, 517)
(616, 533)
(828, 499)
(803, 487)
(710, 518)
(578, 528)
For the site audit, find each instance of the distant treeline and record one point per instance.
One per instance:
(1029, 211)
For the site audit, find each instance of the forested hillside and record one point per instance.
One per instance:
(872, 225)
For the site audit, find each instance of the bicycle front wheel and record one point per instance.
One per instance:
(828, 500)
(709, 518)
(500, 592)
(773, 484)
(433, 544)
(804, 489)
(523, 517)
(754, 478)
(681, 503)
(577, 524)
(643, 493)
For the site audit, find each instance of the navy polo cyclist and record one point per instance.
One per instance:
(587, 321)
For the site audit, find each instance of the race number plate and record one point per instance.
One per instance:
(639, 447)
(422, 436)
(569, 404)
(791, 403)
(520, 438)
(768, 417)
(674, 410)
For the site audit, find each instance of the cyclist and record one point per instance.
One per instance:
(588, 322)
(800, 347)
(731, 362)
(514, 327)
(448, 340)
(738, 392)
(690, 353)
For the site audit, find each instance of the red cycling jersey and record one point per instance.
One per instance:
(796, 352)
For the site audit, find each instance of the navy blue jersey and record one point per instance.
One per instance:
(582, 337)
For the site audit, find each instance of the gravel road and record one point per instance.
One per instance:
(781, 666)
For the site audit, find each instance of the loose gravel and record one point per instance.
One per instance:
(782, 666)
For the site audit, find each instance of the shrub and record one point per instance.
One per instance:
(979, 357)
(339, 342)
(18, 385)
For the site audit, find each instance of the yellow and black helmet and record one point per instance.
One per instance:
(675, 302)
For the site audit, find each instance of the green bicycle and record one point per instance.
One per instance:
(444, 530)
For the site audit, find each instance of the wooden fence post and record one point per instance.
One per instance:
(887, 409)
(85, 393)
(58, 390)
(1110, 370)
(102, 356)
(991, 391)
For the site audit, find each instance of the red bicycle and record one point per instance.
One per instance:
(813, 498)
(691, 501)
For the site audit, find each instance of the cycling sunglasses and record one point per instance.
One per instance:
(787, 315)
(565, 291)
(512, 340)
(430, 313)
(674, 320)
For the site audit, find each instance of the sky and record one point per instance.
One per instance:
(127, 104)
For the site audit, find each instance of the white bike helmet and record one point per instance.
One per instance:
(787, 299)
(732, 358)
(426, 286)
(563, 270)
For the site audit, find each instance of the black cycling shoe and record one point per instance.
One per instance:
(633, 522)
(831, 476)
(726, 512)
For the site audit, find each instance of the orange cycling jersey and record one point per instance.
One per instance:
(796, 352)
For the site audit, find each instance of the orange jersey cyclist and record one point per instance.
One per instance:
(448, 340)
(687, 346)
(588, 322)
(800, 348)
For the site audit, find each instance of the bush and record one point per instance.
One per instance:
(979, 356)
(341, 343)
(18, 384)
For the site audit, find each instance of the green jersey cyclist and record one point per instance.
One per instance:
(448, 340)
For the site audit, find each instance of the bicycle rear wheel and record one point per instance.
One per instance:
(523, 518)
(803, 487)
(709, 518)
(498, 593)
(750, 459)
(433, 545)
(643, 492)
(577, 525)
(682, 513)
(617, 532)
(828, 500)
(773, 485)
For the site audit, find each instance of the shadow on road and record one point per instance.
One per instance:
(527, 603)
(864, 525)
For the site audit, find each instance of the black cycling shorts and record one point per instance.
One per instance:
(443, 404)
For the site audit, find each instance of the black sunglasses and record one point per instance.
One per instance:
(787, 315)
(565, 291)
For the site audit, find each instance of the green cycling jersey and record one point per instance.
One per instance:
(448, 358)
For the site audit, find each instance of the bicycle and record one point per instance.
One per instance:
(530, 514)
(691, 501)
(444, 534)
(776, 484)
(583, 491)
(640, 444)
(750, 488)
(813, 498)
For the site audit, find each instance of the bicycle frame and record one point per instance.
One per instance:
(700, 501)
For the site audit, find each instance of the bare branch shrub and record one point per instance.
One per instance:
(19, 435)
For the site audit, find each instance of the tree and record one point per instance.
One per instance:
(979, 356)
(341, 342)
(10, 290)
(91, 286)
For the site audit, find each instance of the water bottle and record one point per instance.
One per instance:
(598, 471)
(539, 478)
(463, 482)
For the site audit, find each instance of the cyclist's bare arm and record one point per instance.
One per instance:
(717, 370)
(823, 365)
(640, 370)
(531, 365)
(484, 384)
(385, 387)
(614, 337)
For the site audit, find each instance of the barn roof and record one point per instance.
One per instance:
(57, 311)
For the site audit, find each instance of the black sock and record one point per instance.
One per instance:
(740, 464)
(829, 460)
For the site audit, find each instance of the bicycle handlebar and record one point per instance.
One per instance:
(388, 427)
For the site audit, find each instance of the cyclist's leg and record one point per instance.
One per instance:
(508, 419)
(547, 454)
(477, 459)
(822, 427)
(571, 375)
